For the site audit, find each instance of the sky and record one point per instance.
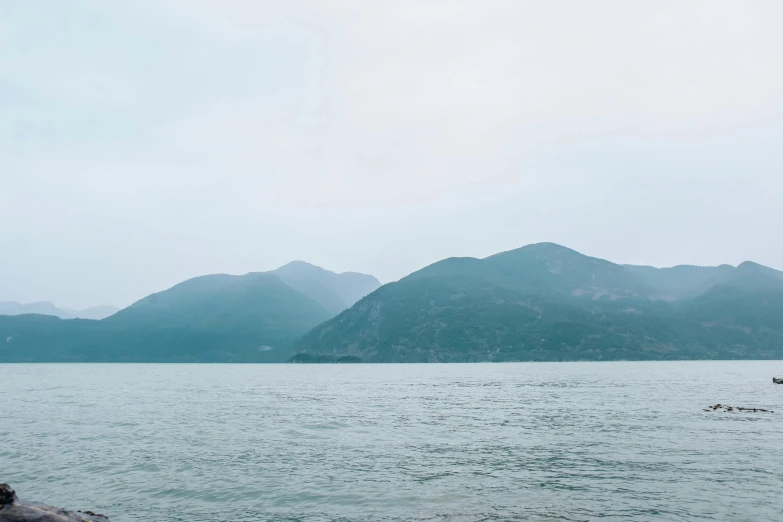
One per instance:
(146, 142)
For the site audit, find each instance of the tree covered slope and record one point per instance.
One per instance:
(546, 302)
(214, 318)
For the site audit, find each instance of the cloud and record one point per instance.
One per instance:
(349, 133)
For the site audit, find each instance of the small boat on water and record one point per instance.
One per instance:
(777, 380)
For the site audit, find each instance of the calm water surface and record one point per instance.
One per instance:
(561, 441)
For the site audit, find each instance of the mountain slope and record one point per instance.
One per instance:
(546, 302)
(333, 291)
(45, 338)
(464, 319)
(218, 318)
(221, 303)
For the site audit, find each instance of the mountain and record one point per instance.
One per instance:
(95, 312)
(42, 307)
(225, 303)
(542, 302)
(335, 292)
(46, 338)
(48, 308)
(545, 269)
(682, 281)
(215, 318)
(547, 302)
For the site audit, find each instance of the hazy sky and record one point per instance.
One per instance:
(145, 142)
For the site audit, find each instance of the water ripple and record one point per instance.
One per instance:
(355, 443)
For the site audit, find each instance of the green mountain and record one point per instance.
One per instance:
(45, 338)
(218, 317)
(214, 318)
(547, 302)
(542, 302)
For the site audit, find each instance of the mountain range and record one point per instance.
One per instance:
(542, 302)
(545, 302)
(48, 308)
(214, 318)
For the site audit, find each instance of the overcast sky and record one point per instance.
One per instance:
(145, 142)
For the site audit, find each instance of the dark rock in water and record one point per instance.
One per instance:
(12, 510)
(309, 358)
(7, 495)
(727, 408)
(777, 380)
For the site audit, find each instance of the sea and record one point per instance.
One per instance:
(625, 441)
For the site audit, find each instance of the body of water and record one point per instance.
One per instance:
(468, 442)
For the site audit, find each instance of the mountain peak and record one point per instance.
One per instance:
(750, 265)
(754, 275)
(299, 262)
(299, 265)
(540, 248)
(548, 245)
(333, 291)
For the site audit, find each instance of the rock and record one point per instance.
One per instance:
(7, 495)
(12, 510)
(777, 380)
(727, 408)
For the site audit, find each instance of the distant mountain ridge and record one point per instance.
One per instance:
(48, 308)
(542, 302)
(333, 291)
(94, 312)
(548, 302)
(213, 318)
(686, 281)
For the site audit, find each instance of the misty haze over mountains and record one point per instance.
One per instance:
(48, 308)
(217, 317)
(539, 302)
(335, 292)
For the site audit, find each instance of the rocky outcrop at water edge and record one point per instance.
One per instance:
(13, 510)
